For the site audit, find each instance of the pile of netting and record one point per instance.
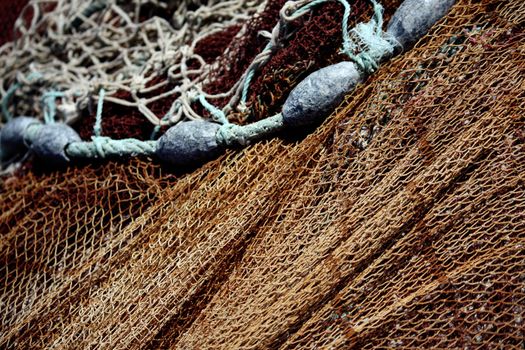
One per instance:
(399, 222)
(151, 57)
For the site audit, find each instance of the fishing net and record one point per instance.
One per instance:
(399, 222)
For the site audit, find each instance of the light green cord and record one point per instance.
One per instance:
(378, 44)
(102, 147)
(297, 13)
(232, 135)
(50, 106)
(215, 112)
(374, 44)
(7, 98)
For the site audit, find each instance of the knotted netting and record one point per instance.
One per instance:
(399, 222)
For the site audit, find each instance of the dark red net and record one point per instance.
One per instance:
(315, 43)
(9, 12)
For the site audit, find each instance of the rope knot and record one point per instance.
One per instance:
(231, 135)
(100, 142)
(369, 39)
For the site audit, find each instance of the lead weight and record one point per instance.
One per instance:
(189, 143)
(49, 142)
(12, 136)
(319, 93)
(414, 18)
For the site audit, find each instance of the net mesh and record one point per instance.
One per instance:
(400, 222)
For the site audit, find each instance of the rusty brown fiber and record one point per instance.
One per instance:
(398, 223)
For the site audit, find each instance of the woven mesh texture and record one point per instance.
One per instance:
(400, 222)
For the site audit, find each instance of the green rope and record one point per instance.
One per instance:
(370, 34)
(215, 112)
(377, 43)
(103, 147)
(231, 134)
(7, 98)
(270, 47)
(49, 101)
(251, 74)
(156, 129)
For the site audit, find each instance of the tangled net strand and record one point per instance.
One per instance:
(67, 51)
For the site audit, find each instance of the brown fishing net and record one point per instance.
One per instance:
(400, 222)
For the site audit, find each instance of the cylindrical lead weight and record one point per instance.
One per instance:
(319, 93)
(189, 143)
(414, 18)
(49, 142)
(12, 136)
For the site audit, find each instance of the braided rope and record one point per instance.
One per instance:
(103, 147)
(233, 135)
